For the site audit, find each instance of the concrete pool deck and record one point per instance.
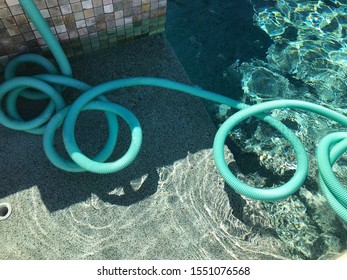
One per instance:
(169, 203)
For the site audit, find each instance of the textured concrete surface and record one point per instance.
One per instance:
(169, 203)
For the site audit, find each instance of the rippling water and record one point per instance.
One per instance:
(189, 217)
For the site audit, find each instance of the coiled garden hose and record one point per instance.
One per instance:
(56, 113)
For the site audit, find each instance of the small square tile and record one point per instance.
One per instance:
(100, 19)
(128, 12)
(60, 28)
(127, 4)
(66, 9)
(118, 6)
(58, 20)
(128, 20)
(41, 4)
(76, 7)
(106, 2)
(88, 13)
(146, 8)
(12, 2)
(97, 3)
(55, 12)
(137, 10)
(154, 5)
(8, 22)
(92, 29)
(63, 36)
(79, 16)
(90, 21)
(120, 22)
(29, 36)
(21, 19)
(98, 11)
(73, 34)
(136, 3)
(87, 4)
(108, 8)
(5, 12)
(16, 10)
(101, 26)
(45, 13)
(154, 13)
(82, 31)
(81, 23)
(119, 14)
(52, 3)
(25, 28)
(13, 31)
(110, 24)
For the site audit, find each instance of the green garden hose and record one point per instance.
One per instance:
(57, 113)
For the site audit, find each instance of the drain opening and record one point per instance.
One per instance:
(5, 211)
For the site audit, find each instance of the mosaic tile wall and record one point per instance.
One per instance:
(80, 25)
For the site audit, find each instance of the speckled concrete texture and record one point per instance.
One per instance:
(169, 203)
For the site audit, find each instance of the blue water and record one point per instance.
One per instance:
(263, 50)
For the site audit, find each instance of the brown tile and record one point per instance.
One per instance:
(137, 18)
(5, 12)
(97, 3)
(101, 26)
(58, 20)
(100, 19)
(55, 12)
(88, 13)
(8, 22)
(21, 19)
(146, 8)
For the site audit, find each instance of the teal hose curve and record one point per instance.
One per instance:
(53, 84)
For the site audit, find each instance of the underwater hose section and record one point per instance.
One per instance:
(52, 84)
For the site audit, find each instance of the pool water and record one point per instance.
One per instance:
(257, 51)
(171, 202)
